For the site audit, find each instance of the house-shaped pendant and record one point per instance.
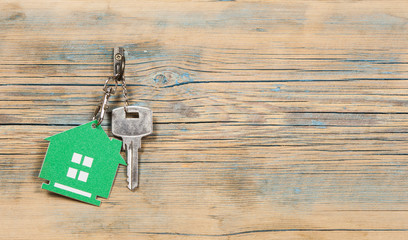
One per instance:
(81, 163)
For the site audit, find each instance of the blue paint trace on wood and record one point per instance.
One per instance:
(318, 124)
(277, 89)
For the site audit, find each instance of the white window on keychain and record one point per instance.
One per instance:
(73, 172)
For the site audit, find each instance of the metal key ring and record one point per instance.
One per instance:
(110, 88)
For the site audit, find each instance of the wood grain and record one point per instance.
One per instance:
(273, 119)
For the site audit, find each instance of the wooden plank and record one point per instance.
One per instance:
(273, 119)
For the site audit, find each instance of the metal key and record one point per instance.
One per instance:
(131, 126)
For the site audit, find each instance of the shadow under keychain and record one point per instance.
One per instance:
(81, 163)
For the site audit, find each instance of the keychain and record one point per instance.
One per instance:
(81, 163)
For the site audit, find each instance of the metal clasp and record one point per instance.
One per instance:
(101, 108)
(103, 105)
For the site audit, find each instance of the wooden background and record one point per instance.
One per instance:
(273, 119)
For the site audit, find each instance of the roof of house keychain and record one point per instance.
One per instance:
(81, 163)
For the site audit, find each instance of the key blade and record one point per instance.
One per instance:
(132, 145)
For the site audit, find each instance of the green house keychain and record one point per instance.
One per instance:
(81, 163)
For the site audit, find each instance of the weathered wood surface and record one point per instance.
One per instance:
(273, 119)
